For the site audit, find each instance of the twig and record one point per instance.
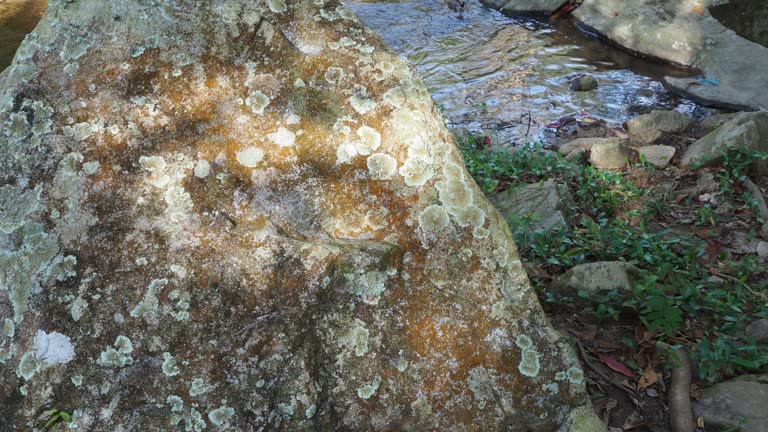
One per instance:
(758, 294)
(605, 377)
(679, 395)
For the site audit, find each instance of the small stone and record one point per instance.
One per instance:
(546, 204)
(657, 155)
(758, 329)
(586, 144)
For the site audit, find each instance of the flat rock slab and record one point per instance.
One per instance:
(249, 215)
(681, 32)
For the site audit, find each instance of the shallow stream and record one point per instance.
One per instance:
(492, 73)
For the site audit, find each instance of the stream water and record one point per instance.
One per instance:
(507, 78)
(492, 73)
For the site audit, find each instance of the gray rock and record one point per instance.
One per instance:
(648, 128)
(762, 249)
(547, 203)
(596, 279)
(583, 83)
(610, 156)
(739, 404)
(748, 131)
(249, 215)
(758, 329)
(711, 123)
(586, 144)
(657, 155)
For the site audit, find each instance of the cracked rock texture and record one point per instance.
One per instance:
(248, 215)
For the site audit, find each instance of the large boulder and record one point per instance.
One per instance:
(738, 404)
(747, 131)
(249, 216)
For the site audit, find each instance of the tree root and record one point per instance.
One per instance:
(679, 395)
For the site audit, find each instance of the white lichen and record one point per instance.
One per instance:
(283, 137)
(250, 157)
(416, 171)
(202, 169)
(53, 348)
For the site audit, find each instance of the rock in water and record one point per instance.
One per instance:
(583, 83)
(249, 216)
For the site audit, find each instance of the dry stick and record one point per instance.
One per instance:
(602, 375)
(679, 395)
(755, 293)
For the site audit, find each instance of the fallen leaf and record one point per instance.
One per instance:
(648, 379)
(615, 365)
(700, 422)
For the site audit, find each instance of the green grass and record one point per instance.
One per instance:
(615, 220)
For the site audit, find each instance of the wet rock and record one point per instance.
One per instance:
(649, 128)
(610, 156)
(546, 204)
(657, 155)
(250, 216)
(583, 83)
(758, 330)
(523, 6)
(586, 144)
(747, 131)
(596, 280)
(738, 404)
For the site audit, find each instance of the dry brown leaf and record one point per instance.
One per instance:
(648, 379)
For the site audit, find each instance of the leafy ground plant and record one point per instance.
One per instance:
(690, 292)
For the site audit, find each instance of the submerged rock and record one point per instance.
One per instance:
(649, 128)
(747, 131)
(249, 215)
(583, 83)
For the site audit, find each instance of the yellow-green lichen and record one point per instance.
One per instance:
(169, 365)
(416, 171)
(368, 390)
(381, 166)
(221, 416)
(27, 367)
(433, 219)
(370, 140)
(119, 356)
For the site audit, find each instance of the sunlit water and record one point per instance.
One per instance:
(489, 71)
